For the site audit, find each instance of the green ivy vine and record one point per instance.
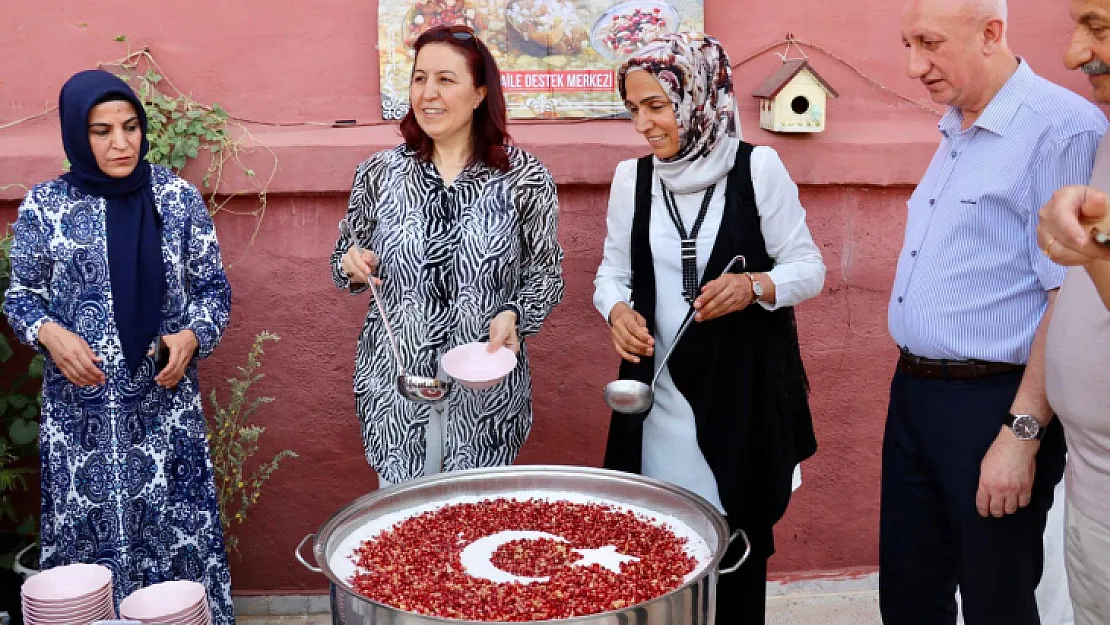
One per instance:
(182, 130)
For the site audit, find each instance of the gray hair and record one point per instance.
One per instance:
(989, 8)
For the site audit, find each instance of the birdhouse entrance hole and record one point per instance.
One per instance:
(799, 105)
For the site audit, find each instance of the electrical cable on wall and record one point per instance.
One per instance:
(790, 41)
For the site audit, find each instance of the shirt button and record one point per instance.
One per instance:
(899, 299)
(954, 154)
(913, 253)
(931, 202)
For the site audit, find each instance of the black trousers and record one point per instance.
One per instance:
(742, 595)
(931, 537)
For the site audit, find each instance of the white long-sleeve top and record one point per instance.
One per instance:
(670, 448)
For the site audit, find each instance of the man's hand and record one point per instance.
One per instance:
(1067, 220)
(1006, 475)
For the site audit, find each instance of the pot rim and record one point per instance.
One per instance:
(328, 527)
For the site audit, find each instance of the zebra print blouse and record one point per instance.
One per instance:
(452, 257)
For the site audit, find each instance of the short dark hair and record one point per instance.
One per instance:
(489, 133)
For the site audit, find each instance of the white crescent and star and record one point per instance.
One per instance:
(477, 556)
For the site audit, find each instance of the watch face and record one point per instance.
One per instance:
(1026, 428)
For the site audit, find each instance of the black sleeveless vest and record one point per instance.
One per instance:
(742, 373)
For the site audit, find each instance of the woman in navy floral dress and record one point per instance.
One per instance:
(110, 261)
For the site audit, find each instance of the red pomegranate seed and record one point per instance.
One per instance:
(416, 566)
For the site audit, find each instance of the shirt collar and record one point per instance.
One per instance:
(1000, 111)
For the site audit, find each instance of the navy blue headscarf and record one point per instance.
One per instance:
(134, 229)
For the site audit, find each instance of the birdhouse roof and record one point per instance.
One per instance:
(782, 77)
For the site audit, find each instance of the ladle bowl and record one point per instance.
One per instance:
(629, 396)
(421, 389)
(635, 397)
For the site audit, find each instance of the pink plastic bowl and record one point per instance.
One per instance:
(162, 600)
(473, 366)
(67, 583)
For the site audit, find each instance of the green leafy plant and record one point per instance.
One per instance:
(179, 127)
(183, 130)
(20, 404)
(234, 441)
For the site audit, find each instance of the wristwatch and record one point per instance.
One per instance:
(757, 286)
(1025, 427)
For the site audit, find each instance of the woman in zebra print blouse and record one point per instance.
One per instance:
(459, 230)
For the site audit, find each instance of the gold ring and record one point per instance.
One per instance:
(1048, 246)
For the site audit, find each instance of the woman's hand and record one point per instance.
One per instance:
(182, 346)
(1064, 232)
(502, 332)
(631, 338)
(73, 356)
(728, 294)
(361, 267)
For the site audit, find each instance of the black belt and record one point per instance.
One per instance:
(933, 369)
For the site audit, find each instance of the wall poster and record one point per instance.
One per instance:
(558, 58)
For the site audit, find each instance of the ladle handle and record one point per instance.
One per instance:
(681, 331)
(388, 329)
(377, 300)
(690, 318)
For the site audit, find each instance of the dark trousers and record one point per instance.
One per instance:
(931, 537)
(742, 594)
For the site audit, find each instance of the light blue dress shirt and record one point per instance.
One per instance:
(971, 281)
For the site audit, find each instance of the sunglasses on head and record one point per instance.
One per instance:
(460, 32)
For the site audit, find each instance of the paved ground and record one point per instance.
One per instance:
(845, 608)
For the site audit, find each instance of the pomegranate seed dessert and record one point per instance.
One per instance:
(521, 557)
(628, 31)
(425, 14)
(552, 24)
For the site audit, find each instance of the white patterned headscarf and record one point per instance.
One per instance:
(694, 71)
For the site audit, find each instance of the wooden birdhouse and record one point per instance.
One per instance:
(793, 99)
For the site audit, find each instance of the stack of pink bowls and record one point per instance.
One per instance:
(75, 594)
(177, 602)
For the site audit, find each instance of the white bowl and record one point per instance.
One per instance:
(473, 366)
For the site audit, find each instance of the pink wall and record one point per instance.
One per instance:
(315, 60)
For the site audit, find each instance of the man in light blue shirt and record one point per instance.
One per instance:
(968, 466)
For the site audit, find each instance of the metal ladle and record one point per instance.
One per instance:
(635, 397)
(412, 387)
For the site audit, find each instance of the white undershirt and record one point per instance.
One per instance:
(670, 448)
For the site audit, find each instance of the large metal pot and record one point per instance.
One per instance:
(691, 604)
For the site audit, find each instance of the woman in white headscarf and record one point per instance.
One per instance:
(731, 418)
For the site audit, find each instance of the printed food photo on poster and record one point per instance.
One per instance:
(558, 58)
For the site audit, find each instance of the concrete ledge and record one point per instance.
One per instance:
(858, 581)
(857, 149)
(282, 605)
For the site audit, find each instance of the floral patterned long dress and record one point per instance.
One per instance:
(126, 473)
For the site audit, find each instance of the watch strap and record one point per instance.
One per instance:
(757, 286)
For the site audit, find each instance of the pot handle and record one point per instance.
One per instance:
(743, 558)
(300, 558)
